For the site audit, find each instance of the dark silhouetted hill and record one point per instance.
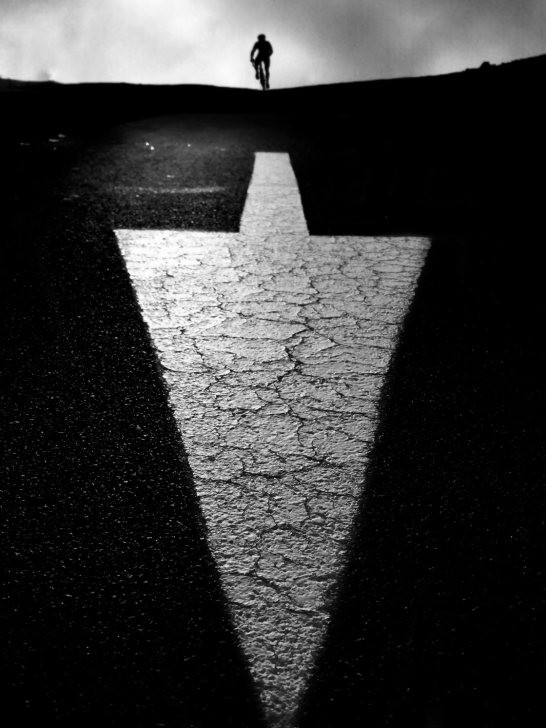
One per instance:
(507, 86)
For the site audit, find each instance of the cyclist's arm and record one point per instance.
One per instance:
(252, 52)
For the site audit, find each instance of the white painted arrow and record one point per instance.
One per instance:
(274, 344)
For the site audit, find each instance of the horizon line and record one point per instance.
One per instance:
(485, 64)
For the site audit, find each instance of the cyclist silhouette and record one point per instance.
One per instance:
(261, 53)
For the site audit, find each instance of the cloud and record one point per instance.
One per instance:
(208, 41)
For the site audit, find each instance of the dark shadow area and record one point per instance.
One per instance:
(440, 156)
(111, 608)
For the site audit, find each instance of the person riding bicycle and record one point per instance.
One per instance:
(261, 53)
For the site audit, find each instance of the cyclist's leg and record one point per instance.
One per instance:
(266, 66)
(260, 68)
(262, 74)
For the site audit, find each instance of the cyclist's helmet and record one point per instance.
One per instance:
(261, 36)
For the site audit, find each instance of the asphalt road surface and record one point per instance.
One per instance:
(362, 394)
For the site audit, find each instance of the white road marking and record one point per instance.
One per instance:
(274, 344)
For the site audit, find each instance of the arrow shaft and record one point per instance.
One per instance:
(273, 203)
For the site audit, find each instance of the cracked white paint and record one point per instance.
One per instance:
(274, 344)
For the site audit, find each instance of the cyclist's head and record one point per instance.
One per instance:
(261, 36)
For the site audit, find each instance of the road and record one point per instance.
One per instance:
(398, 581)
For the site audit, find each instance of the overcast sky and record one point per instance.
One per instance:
(209, 41)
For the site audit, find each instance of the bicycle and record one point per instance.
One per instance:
(261, 74)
